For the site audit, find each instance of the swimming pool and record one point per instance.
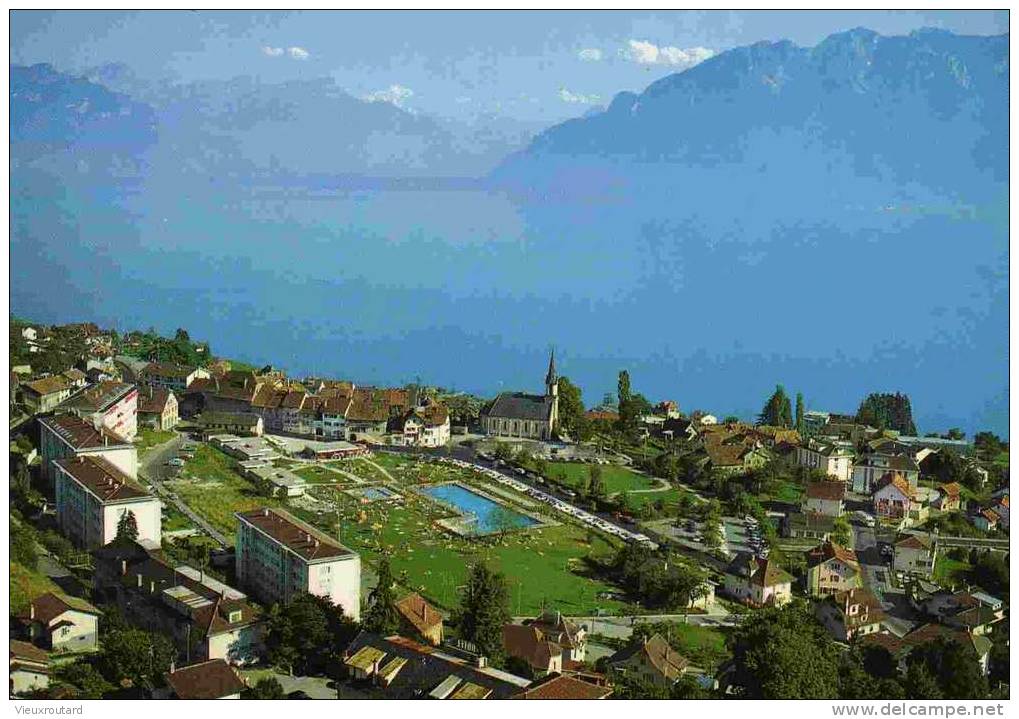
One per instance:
(484, 515)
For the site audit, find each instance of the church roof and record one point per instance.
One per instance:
(518, 405)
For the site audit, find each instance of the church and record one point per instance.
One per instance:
(529, 416)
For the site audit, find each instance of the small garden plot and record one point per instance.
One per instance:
(373, 494)
(615, 478)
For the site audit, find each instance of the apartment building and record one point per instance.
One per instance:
(113, 405)
(92, 495)
(279, 556)
(67, 435)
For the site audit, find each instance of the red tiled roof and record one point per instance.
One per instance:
(213, 679)
(101, 478)
(80, 434)
(51, 605)
(529, 644)
(421, 615)
(829, 550)
(152, 400)
(830, 491)
(303, 539)
(563, 687)
(48, 385)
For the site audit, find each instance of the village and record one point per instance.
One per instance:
(258, 535)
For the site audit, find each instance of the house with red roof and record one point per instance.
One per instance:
(62, 623)
(757, 581)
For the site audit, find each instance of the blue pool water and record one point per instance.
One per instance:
(487, 516)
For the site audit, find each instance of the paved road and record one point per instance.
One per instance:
(153, 468)
(877, 577)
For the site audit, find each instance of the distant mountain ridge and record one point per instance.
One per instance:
(918, 108)
(244, 128)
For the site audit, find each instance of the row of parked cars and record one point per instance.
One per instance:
(755, 539)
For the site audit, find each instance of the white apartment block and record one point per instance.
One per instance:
(278, 556)
(67, 435)
(92, 495)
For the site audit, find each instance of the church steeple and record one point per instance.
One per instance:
(551, 379)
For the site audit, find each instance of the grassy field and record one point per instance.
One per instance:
(173, 519)
(616, 479)
(704, 646)
(541, 565)
(148, 438)
(210, 486)
(26, 585)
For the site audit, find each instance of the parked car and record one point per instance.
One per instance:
(175, 462)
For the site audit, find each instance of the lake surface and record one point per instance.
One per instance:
(702, 302)
(488, 516)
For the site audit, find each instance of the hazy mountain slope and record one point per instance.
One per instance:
(928, 108)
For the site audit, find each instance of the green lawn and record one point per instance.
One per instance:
(151, 437)
(948, 571)
(616, 479)
(319, 474)
(787, 492)
(704, 646)
(211, 487)
(540, 564)
(173, 519)
(670, 496)
(26, 585)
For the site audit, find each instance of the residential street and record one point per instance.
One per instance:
(153, 468)
(877, 576)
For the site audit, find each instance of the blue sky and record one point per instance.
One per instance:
(530, 66)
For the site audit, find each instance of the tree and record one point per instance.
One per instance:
(956, 433)
(887, 411)
(295, 633)
(783, 653)
(266, 688)
(140, 657)
(596, 485)
(381, 616)
(127, 528)
(843, 532)
(799, 412)
(777, 411)
(920, 683)
(953, 666)
(571, 408)
(484, 610)
(23, 550)
(990, 571)
(86, 680)
(503, 451)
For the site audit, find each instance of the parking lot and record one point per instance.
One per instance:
(743, 535)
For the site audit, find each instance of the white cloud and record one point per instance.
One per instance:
(395, 94)
(647, 53)
(298, 53)
(577, 98)
(590, 54)
(272, 51)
